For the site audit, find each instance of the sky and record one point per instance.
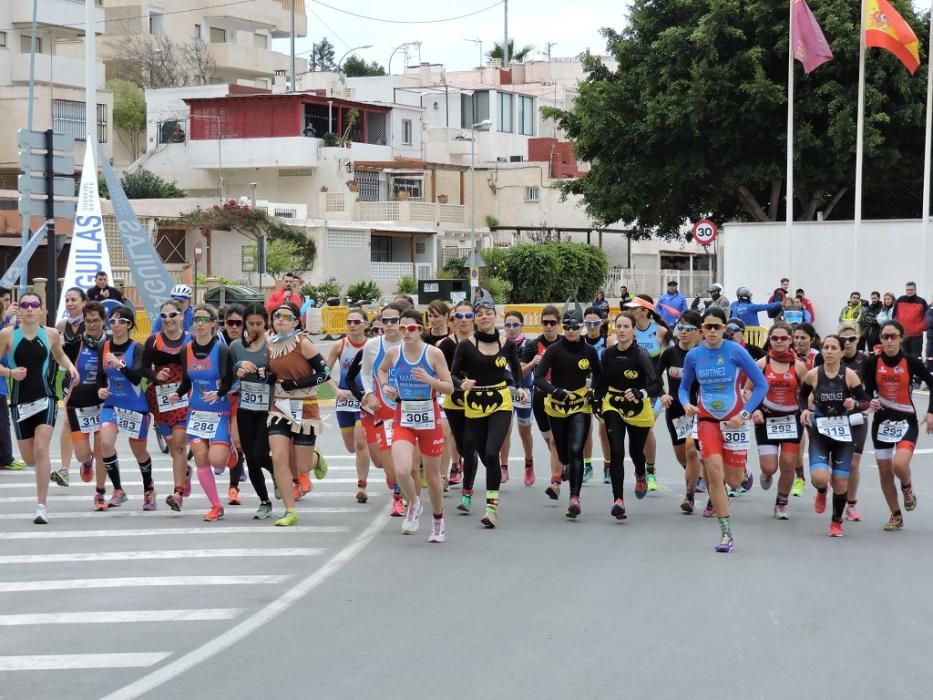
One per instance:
(574, 26)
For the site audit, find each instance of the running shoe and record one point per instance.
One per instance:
(117, 498)
(852, 514)
(320, 471)
(264, 512)
(835, 529)
(529, 474)
(652, 482)
(174, 500)
(573, 508)
(187, 491)
(233, 497)
(641, 486)
(438, 531)
(466, 503)
(749, 481)
(607, 479)
(412, 518)
(290, 518)
(709, 512)
(701, 485)
(149, 500)
(726, 543)
(86, 471)
(765, 481)
(42, 518)
(910, 500)
(618, 510)
(687, 505)
(215, 513)
(99, 502)
(587, 472)
(553, 491)
(61, 477)
(799, 485)
(15, 466)
(819, 503)
(456, 474)
(489, 519)
(780, 512)
(505, 473)
(361, 496)
(895, 522)
(398, 509)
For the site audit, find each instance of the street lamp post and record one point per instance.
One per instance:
(479, 42)
(396, 49)
(358, 48)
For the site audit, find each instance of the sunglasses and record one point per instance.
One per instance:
(30, 304)
(513, 325)
(780, 338)
(713, 326)
(410, 327)
(733, 329)
(235, 323)
(890, 336)
(170, 314)
(849, 338)
(686, 329)
(571, 327)
(461, 315)
(378, 331)
(203, 319)
(548, 323)
(283, 315)
(353, 322)
(593, 324)
(391, 320)
(120, 321)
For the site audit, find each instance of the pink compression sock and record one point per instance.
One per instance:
(206, 479)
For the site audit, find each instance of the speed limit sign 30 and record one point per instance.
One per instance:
(705, 232)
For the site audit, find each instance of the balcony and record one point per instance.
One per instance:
(288, 152)
(68, 72)
(342, 206)
(274, 15)
(65, 14)
(249, 60)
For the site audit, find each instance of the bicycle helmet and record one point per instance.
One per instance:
(181, 290)
(743, 293)
(715, 287)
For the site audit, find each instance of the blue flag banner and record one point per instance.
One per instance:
(22, 260)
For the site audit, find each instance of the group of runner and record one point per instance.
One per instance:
(417, 392)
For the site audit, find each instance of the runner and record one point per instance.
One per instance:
(207, 374)
(479, 370)
(593, 324)
(294, 417)
(453, 403)
(894, 429)
(679, 425)
(162, 367)
(125, 410)
(624, 394)
(805, 338)
(181, 295)
(437, 334)
(251, 362)
(71, 329)
(531, 358)
(777, 421)
(722, 415)
(836, 389)
(419, 373)
(565, 374)
(32, 350)
(854, 359)
(231, 317)
(347, 407)
(515, 331)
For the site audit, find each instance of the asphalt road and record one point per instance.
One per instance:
(128, 604)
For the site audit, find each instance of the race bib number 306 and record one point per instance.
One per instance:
(417, 415)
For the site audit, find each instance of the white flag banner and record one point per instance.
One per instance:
(89, 253)
(20, 265)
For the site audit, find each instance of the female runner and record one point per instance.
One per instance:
(453, 402)
(593, 325)
(72, 329)
(805, 342)
(439, 318)
(854, 359)
(232, 330)
(515, 331)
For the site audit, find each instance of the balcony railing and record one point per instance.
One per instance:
(394, 271)
(342, 206)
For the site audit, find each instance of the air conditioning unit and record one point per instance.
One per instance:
(516, 159)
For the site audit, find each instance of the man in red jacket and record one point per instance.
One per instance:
(909, 311)
(290, 291)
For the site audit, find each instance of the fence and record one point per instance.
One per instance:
(654, 282)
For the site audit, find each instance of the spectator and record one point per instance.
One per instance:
(624, 296)
(289, 292)
(778, 295)
(807, 304)
(910, 311)
(794, 313)
(671, 305)
(735, 331)
(853, 310)
(600, 303)
(870, 329)
(102, 291)
(10, 308)
(743, 308)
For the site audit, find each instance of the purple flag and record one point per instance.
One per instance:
(810, 46)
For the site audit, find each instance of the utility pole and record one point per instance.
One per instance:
(293, 44)
(505, 43)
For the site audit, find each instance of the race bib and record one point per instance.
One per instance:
(28, 410)
(781, 428)
(683, 426)
(88, 419)
(163, 391)
(387, 429)
(254, 396)
(130, 422)
(835, 428)
(417, 415)
(735, 439)
(521, 404)
(203, 424)
(892, 431)
(293, 408)
(350, 405)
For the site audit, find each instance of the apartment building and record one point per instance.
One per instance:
(59, 77)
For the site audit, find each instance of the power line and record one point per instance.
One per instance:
(406, 21)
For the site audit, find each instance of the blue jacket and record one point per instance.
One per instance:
(668, 303)
(747, 312)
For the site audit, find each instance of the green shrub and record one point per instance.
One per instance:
(500, 289)
(455, 265)
(407, 285)
(364, 292)
(532, 270)
(491, 221)
(495, 262)
(552, 272)
(320, 292)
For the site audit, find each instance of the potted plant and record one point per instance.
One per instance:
(442, 198)
(353, 186)
(323, 188)
(404, 196)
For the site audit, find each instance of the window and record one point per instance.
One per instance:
(526, 115)
(3, 40)
(381, 249)
(474, 108)
(414, 186)
(156, 22)
(68, 118)
(218, 35)
(170, 245)
(406, 132)
(505, 112)
(260, 41)
(25, 43)
(345, 239)
(367, 183)
(532, 194)
(196, 34)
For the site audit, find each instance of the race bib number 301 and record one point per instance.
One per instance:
(254, 396)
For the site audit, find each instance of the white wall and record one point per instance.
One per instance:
(823, 259)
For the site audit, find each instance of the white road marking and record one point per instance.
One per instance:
(254, 622)
(55, 497)
(117, 616)
(129, 485)
(160, 554)
(172, 532)
(63, 662)
(82, 584)
(120, 513)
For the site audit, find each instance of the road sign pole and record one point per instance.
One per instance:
(51, 293)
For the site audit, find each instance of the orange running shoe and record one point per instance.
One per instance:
(215, 513)
(233, 497)
(305, 482)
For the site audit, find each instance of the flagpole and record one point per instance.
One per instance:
(928, 144)
(90, 77)
(859, 146)
(789, 217)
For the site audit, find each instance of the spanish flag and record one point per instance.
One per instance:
(886, 29)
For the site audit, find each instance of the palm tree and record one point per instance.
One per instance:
(514, 55)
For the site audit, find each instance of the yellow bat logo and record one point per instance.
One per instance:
(584, 364)
(631, 373)
(500, 362)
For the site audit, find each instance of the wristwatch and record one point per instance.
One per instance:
(745, 414)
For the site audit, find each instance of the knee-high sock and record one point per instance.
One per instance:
(206, 479)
